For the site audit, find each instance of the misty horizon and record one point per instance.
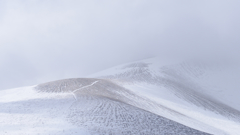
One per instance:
(42, 41)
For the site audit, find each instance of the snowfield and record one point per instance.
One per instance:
(148, 97)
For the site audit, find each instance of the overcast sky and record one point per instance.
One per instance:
(43, 40)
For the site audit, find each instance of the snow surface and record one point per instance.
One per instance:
(97, 107)
(107, 108)
(24, 111)
(144, 97)
(203, 91)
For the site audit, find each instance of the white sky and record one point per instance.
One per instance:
(43, 40)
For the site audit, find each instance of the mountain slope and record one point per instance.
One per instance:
(81, 106)
(190, 88)
(108, 108)
(144, 97)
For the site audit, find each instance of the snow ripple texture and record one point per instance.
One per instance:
(171, 78)
(106, 116)
(104, 107)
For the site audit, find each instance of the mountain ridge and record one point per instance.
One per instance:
(172, 94)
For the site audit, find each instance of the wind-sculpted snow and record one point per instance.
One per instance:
(107, 108)
(190, 92)
(103, 88)
(66, 85)
(106, 116)
(145, 97)
(44, 115)
(135, 72)
(182, 87)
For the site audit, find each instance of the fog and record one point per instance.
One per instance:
(42, 40)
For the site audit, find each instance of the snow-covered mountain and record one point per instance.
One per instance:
(144, 97)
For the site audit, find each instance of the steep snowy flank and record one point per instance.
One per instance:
(204, 91)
